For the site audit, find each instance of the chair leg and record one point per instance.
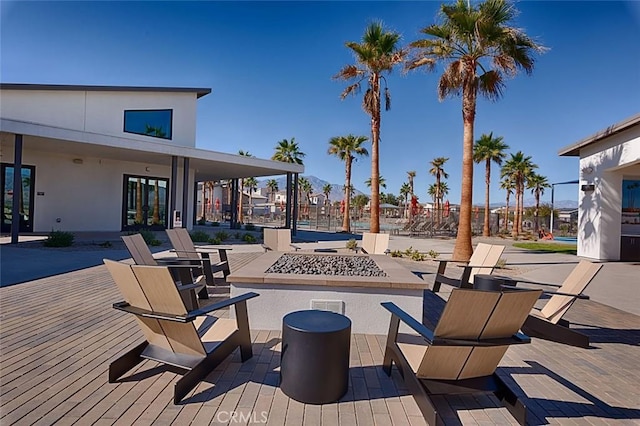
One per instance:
(392, 335)
(222, 253)
(442, 266)
(510, 400)
(208, 273)
(242, 319)
(126, 362)
(542, 329)
(191, 379)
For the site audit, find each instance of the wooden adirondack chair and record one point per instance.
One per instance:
(173, 334)
(278, 240)
(184, 247)
(484, 259)
(547, 323)
(375, 243)
(463, 351)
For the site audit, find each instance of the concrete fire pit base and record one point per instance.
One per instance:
(356, 297)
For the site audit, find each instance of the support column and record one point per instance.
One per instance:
(17, 189)
(234, 204)
(185, 190)
(173, 189)
(294, 225)
(287, 212)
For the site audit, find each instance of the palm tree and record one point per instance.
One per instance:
(519, 167)
(139, 202)
(377, 54)
(489, 150)
(537, 183)
(241, 186)
(508, 185)
(381, 181)
(437, 170)
(251, 184)
(272, 184)
(288, 152)
(437, 191)
(345, 148)
(405, 191)
(326, 190)
(304, 188)
(411, 175)
(479, 51)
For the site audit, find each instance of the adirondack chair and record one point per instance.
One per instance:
(184, 247)
(184, 271)
(171, 331)
(278, 240)
(462, 353)
(484, 259)
(547, 323)
(375, 243)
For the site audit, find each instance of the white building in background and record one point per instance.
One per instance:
(107, 158)
(609, 192)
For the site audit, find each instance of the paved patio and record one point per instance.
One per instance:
(59, 334)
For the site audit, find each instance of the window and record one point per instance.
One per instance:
(153, 122)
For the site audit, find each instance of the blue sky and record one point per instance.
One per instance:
(270, 66)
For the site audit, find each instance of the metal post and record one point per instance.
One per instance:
(17, 189)
(234, 204)
(287, 212)
(185, 190)
(294, 225)
(173, 189)
(553, 186)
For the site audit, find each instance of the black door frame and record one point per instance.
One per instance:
(25, 226)
(145, 203)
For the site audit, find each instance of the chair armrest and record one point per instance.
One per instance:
(216, 306)
(296, 248)
(516, 339)
(193, 286)
(178, 262)
(213, 247)
(519, 280)
(124, 306)
(560, 293)
(419, 328)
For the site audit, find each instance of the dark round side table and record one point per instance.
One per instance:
(314, 364)
(491, 282)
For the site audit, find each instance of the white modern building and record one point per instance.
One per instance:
(107, 158)
(609, 192)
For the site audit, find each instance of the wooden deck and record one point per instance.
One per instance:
(59, 334)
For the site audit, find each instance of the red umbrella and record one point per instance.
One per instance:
(477, 211)
(282, 205)
(447, 207)
(414, 205)
(217, 203)
(342, 207)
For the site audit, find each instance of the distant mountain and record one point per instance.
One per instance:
(337, 191)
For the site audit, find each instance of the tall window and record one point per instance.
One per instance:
(145, 202)
(151, 122)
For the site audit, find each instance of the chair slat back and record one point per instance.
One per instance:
(277, 239)
(133, 294)
(369, 242)
(182, 243)
(485, 257)
(575, 283)
(139, 250)
(475, 315)
(382, 243)
(163, 297)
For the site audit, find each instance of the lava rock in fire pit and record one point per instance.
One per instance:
(313, 264)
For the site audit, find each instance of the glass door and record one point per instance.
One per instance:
(26, 197)
(146, 202)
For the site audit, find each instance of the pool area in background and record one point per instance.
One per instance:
(566, 239)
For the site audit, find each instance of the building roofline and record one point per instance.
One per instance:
(199, 91)
(573, 150)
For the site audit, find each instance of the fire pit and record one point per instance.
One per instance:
(350, 284)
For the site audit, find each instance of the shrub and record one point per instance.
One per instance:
(106, 244)
(149, 237)
(59, 239)
(222, 236)
(249, 227)
(417, 256)
(396, 253)
(215, 223)
(352, 244)
(215, 241)
(433, 254)
(248, 238)
(237, 235)
(202, 221)
(501, 263)
(199, 237)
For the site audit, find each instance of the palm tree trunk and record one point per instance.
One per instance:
(516, 214)
(463, 249)
(139, 201)
(156, 204)
(486, 231)
(240, 201)
(204, 200)
(521, 208)
(374, 225)
(506, 220)
(346, 225)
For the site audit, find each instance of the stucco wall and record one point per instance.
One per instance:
(605, 164)
(100, 112)
(87, 196)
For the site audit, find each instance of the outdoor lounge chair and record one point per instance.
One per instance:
(184, 248)
(485, 257)
(184, 271)
(547, 323)
(375, 243)
(462, 353)
(171, 331)
(278, 240)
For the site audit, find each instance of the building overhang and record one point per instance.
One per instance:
(199, 91)
(573, 150)
(208, 165)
